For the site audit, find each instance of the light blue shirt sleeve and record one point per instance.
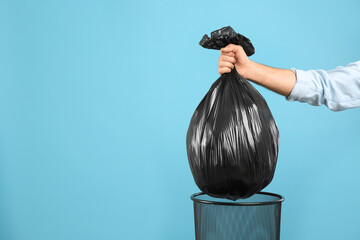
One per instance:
(338, 89)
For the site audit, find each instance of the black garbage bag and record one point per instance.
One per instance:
(224, 36)
(232, 140)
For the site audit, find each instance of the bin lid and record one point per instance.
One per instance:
(261, 198)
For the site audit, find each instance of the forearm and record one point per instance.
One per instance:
(281, 81)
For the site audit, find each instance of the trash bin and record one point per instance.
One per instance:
(254, 218)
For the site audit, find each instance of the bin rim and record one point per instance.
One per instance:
(281, 199)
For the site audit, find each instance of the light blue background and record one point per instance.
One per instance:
(96, 98)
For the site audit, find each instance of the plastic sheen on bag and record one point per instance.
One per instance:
(232, 140)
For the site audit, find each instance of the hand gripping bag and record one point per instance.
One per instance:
(232, 140)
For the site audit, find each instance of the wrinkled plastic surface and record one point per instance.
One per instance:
(232, 140)
(234, 222)
(222, 37)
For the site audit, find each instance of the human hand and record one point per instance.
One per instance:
(233, 55)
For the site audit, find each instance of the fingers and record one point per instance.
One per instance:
(224, 70)
(226, 64)
(230, 48)
(225, 67)
(225, 58)
(229, 54)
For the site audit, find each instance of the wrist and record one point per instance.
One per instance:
(246, 70)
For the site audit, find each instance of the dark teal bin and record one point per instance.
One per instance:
(254, 218)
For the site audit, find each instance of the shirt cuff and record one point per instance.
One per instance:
(302, 86)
